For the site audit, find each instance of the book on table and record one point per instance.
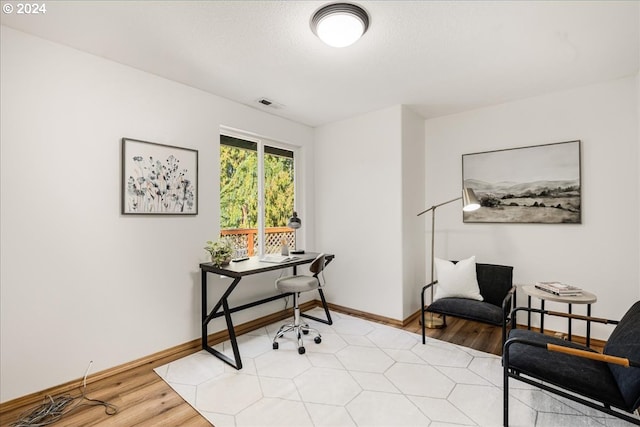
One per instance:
(278, 258)
(560, 289)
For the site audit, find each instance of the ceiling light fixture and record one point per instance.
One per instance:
(340, 24)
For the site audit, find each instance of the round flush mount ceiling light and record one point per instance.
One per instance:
(340, 24)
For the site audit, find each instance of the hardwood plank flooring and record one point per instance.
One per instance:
(143, 399)
(476, 335)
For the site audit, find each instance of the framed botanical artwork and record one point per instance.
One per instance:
(158, 179)
(536, 184)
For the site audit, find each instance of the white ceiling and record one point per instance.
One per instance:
(439, 57)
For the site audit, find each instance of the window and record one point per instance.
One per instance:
(252, 225)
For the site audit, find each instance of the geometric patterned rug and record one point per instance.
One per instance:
(362, 374)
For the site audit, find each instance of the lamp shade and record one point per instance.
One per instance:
(294, 221)
(340, 24)
(469, 200)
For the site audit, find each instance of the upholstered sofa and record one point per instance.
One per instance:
(495, 283)
(608, 382)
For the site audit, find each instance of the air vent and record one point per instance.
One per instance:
(265, 102)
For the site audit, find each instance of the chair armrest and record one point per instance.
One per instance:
(508, 300)
(507, 306)
(622, 361)
(605, 358)
(565, 315)
(428, 285)
(424, 288)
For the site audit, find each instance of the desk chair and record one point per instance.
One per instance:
(296, 285)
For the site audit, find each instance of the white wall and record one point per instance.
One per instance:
(79, 281)
(413, 192)
(359, 210)
(601, 254)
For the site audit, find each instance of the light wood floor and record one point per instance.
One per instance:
(143, 399)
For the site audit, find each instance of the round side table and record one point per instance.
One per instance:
(585, 298)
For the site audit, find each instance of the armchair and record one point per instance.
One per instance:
(608, 382)
(496, 287)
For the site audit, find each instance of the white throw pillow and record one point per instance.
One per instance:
(457, 280)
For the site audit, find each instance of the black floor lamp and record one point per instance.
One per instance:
(469, 203)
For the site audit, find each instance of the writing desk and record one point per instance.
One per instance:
(236, 271)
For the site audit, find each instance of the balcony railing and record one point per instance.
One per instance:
(248, 238)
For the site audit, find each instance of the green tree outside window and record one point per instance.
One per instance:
(239, 187)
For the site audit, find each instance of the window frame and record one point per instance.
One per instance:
(261, 143)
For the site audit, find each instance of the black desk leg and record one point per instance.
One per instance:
(232, 335)
(542, 316)
(207, 317)
(203, 284)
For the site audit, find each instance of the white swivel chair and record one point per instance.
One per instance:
(296, 285)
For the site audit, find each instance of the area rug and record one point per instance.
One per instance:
(362, 374)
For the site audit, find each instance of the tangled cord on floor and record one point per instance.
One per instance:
(53, 409)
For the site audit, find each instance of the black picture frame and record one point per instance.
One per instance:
(158, 179)
(534, 184)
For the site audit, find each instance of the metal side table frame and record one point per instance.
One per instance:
(586, 298)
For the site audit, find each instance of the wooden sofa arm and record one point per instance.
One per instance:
(622, 361)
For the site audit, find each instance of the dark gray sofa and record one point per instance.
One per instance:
(496, 287)
(608, 382)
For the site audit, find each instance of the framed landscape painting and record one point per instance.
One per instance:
(158, 179)
(537, 184)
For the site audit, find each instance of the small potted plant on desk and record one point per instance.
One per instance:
(220, 251)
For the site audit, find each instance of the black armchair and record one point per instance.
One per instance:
(496, 287)
(608, 382)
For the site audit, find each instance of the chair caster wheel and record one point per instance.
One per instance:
(301, 350)
(304, 331)
(275, 345)
(317, 340)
